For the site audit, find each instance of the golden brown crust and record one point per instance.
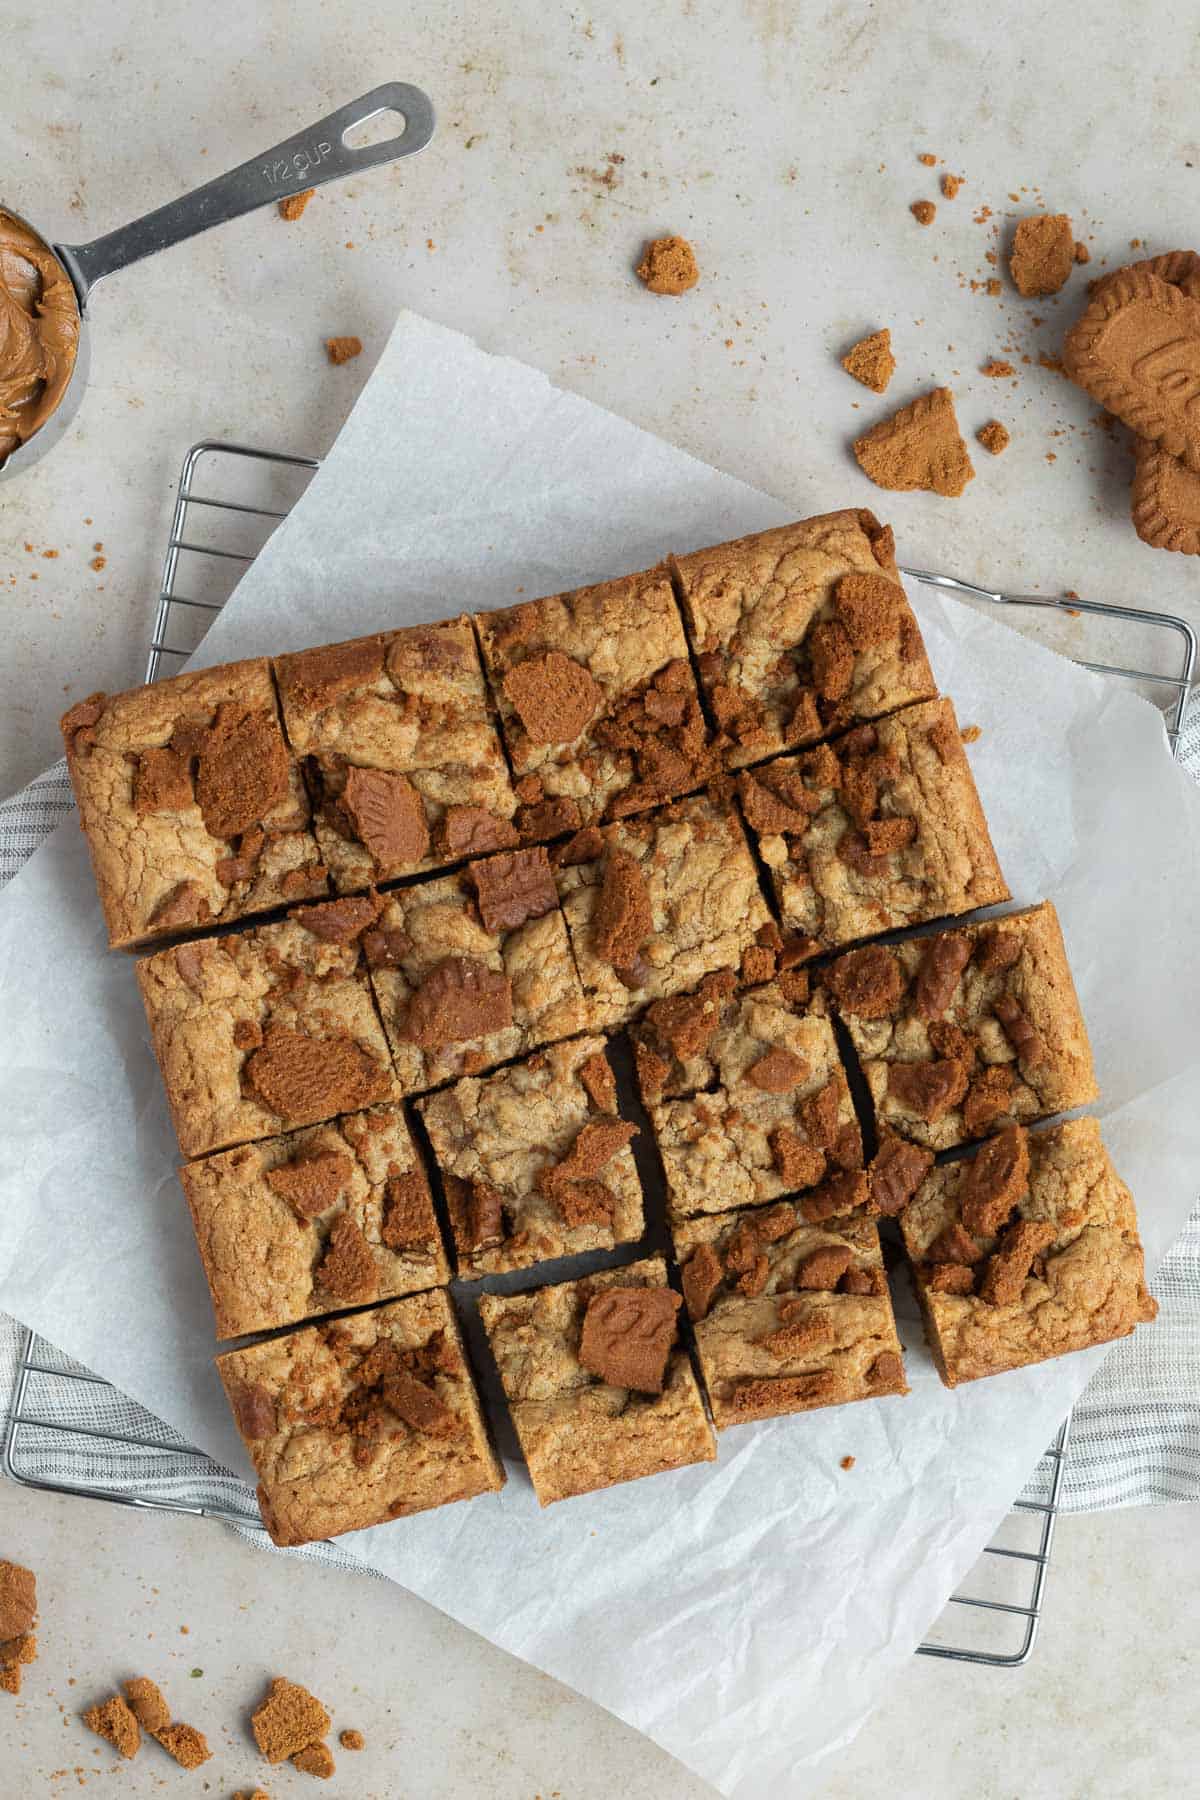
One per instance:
(578, 1433)
(1085, 1280)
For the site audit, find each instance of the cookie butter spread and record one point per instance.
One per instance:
(39, 333)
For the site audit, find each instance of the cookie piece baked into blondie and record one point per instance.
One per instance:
(599, 1389)
(367, 1418)
(801, 631)
(192, 805)
(598, 703)
(657, 903)
(400, 749)
(263, 1031)
(536, 1160)
(473, 969)
(880, 829)
(746, 1093)
(1027, 1250)
(964, 1032)
(308, 1223)
(788, 1316)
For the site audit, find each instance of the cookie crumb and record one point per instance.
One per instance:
(341, 349)
(971, 734)
(252, 1794)
(923, 211)
(871, 361)
(992, 286)
(288, 1721)
(918, 447)
(294, 205)
(352, 1740)
(113, 1721)
(928, 158)
(315, 1759)
(668, 266)
(1082, 253)
(951, 185)
(1042, 254)
(994, 437)
(847, 1462)
(997, 369)
(98, 563)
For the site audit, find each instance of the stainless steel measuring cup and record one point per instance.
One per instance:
(306, 160)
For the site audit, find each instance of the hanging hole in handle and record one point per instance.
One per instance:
(383, 127)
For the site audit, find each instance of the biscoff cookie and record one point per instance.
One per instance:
(1136, 350)
(918, 447)
(1165, 500)
(1179, 267)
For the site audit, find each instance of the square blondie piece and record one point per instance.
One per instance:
(400, 750)
(880, 829)
(667, 899)
(599, 1389)
(295, 1226)
(1027, 1250)
(746, 1093)
(787, 1316)
(192, 805)
(536, 1160)
(473, 969)
(598, 703)
(263, 1031)
(965, 1032)
(367, 1418)
(801, 631)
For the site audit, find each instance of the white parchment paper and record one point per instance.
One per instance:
(745, 1615)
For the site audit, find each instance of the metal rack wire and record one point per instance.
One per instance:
(215, 534)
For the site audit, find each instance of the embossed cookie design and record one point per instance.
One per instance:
(1136, 350)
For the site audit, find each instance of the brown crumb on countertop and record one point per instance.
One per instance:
(341, 349)
(928, 158)
(871, 361)
(994, 437)
(1043, 250)
(315, 1759)
(113, 1721)
(668, 266)
(288, 1721)
(847, 1462)
(993, 286)
(352, 1740)
(98, 563)
(951, 185)
(923, 211)
(1082, 253)
(252, 1794)
(918, 447)
(971, 734)
(294, 205)
(997, 369)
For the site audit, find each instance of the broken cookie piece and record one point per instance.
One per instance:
(1042, 254)
(599, 1390)
(918, 447)
(535, 1162)
(871, 361)
(994, 437)
(668, 266)
(288, 1721)
(115, 1723)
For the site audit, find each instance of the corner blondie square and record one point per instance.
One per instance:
(801, 631)
(598, 704)
(746, 1093)
(535, 1160)
(473, 969)
(880, 829)
(263, 1031)
(966, 1031)
(1027, 1250)
(578, 1430)
(787, 1315)
(193, 807)
(364, 1419)
(308, 1223)
(401, 751)
(659, 902)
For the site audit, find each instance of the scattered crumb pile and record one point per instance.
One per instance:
(1135, 350)
(918, 447)
(341, 349)
(291, 1725)
(18, 1614)
(121, 1721)
(668, 266)
(871, 361)
(994, 436)
(294, 205)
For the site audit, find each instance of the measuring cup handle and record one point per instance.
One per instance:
(306, 160)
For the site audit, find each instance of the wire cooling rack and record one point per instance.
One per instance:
(71, 1432)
